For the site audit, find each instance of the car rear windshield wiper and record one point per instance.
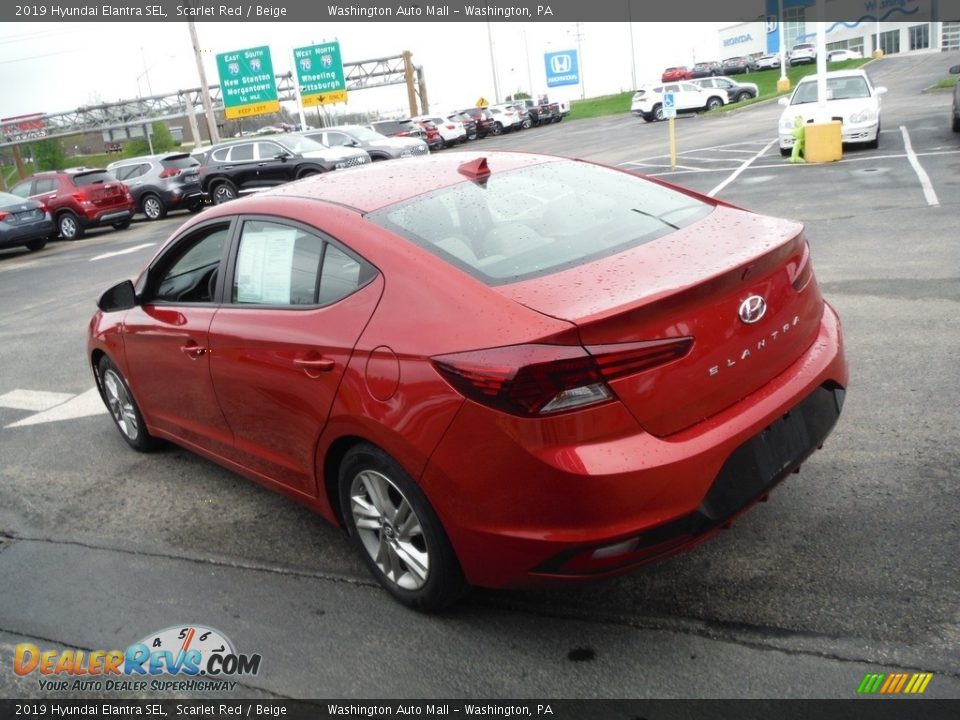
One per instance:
(656, 217)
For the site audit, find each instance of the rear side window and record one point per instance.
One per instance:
(241, 152)
(92, 178)
(541, 219)
(284, 265)
(45, 185)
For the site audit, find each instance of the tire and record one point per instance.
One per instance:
(743, 96)
(527, 123)
(38, 244)
(307, 173)
(223, 192)
(123, 224)
(786, 152)
(657, 112)
(714, 103)
(497, 128)
(69, 226)
(196, 207)
(123, 408)
(956, 124)
(153, 207)
(399, 535)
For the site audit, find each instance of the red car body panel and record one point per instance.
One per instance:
(513, 493)
(676, 73)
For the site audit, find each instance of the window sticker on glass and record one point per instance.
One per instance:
(263, 264)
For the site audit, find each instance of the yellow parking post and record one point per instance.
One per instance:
(823, 142)
(673, 143)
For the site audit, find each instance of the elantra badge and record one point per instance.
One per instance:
(752, 309)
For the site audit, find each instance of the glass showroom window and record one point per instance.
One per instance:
(919, 37)
(890, 42)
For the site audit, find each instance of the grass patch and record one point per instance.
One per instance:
(600, 106)
(945, 84)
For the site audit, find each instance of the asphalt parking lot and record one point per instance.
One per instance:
(850, 568)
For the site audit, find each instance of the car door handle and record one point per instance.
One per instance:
(314, 366)
(192, 350)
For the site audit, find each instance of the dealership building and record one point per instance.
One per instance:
(883, 24)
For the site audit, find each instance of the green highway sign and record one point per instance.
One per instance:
(247, 84)
(320, 74)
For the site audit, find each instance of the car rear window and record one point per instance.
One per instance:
(539, 220)
(179, 162)
(92, 178)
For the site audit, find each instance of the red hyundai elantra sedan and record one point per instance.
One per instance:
(497, 370)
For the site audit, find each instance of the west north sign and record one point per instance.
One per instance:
(320, 74)
(247, 85)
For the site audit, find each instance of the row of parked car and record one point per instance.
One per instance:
(69, 202)
(802, 53)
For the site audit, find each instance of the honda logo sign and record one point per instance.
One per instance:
(562, 68)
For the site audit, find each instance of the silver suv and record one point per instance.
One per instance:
(158, 183)
(378, 146)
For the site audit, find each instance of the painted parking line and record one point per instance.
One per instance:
(125, 251)
(746, 163)
(53, 406)
(928, 192)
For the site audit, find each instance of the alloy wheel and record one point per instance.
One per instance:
(120, 405)
(390, 530)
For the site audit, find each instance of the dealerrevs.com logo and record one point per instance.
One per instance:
(179, 658)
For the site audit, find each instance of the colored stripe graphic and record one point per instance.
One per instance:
(894, 683)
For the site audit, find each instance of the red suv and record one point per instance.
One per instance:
(79, 199)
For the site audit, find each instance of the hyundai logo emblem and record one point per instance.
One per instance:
(752, 309)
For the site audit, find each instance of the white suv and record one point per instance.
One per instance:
(803, 53)
(687, 96)
(451, 130)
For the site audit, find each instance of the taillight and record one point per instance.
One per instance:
(535, 380)
(81, 197)
(4, 215)
(170, 172)
(451, 127)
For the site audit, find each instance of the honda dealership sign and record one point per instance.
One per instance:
(562, 68)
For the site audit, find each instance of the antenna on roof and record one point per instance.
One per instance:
(475, 169)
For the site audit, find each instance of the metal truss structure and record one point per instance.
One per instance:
(379, 72)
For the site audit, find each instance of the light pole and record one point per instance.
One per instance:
(493, 64)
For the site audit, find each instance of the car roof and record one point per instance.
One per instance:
(375, 186)
(855, 72)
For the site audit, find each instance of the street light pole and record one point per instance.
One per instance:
(493, 64)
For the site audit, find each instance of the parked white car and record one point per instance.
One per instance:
(505, 119)
(767, 62)
(840, 55)
(803, 53)
(687, 96)
(450, 130)
(850, 96)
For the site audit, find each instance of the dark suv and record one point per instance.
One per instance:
(399, 128)
(159, 183)
(236, 168)
(79, 199)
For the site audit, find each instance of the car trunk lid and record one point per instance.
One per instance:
(693, 283)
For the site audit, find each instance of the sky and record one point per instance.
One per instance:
(55, 67)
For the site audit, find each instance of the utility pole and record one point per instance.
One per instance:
(493, 65)
(583, 87)
(204, 87)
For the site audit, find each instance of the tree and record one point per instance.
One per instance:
(162, 142)
(49, 154)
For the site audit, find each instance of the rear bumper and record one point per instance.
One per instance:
(94, 218)
(520, 511)
(13, 236)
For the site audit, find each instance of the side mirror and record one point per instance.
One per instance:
(352, 143)
(784, 101)
(955, 70)
(880, 90)
(120, 297)
(282, 156)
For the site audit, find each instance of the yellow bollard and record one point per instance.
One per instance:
(823, 142)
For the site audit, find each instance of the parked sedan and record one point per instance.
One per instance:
(688, 97)
(24, 222)
(160, 183)
(850, 96)
(313, 339)
(672, 74)
(841, 55)
(376, 145)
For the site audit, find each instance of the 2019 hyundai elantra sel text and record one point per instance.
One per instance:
(495, 369)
